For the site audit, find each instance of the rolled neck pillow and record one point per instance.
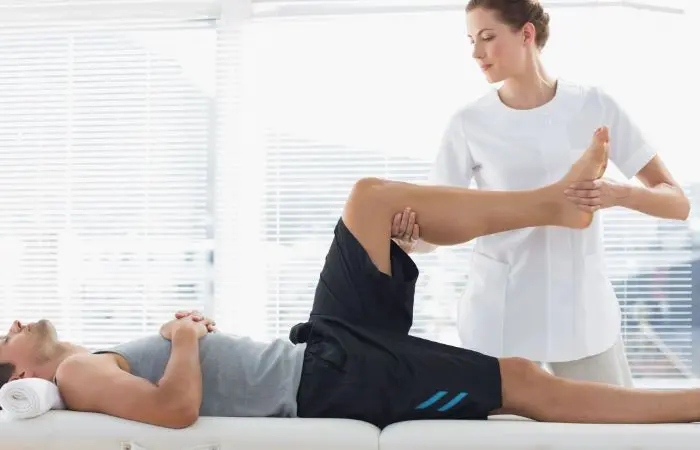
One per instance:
(29, 397)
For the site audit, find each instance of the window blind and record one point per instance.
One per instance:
(104, 160)
(41, 12)
(327, 99)
(287, 8)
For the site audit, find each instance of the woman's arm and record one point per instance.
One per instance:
(660, 196)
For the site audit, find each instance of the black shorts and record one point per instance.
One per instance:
(361, 363)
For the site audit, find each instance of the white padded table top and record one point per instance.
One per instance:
(69, 430)
(512, 433)
(63, 430)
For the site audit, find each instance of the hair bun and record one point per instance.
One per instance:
(517, 13)
(537, 12)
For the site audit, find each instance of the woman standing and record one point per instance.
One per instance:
(542, 293)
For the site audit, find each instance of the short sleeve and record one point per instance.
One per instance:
(629, 148)
(453, 165)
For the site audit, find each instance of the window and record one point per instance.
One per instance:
(330, 94)
(104, 163)
(154, 158)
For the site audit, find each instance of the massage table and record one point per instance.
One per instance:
(68, 430)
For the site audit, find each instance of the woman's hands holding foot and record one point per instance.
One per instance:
(597, 194)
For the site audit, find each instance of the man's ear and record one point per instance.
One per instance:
(23, 374)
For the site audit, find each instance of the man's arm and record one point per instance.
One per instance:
(92, 383)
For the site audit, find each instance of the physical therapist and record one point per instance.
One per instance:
(542, 293)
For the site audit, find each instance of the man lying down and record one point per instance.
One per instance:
(353, 358)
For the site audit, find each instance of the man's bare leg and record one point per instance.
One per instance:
(452, 215)
(531, 392)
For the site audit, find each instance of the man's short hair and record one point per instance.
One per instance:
(6, 370)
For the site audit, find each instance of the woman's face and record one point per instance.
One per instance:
(500, 52)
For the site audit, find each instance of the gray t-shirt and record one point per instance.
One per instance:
(240, 377)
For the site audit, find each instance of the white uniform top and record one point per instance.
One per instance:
(538, 293)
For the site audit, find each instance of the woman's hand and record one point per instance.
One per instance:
(405, 231)
(597, 194)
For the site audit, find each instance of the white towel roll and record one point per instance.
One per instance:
(29, 397)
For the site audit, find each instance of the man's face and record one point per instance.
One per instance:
(26, 347)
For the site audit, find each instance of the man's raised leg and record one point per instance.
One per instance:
(452, 215)
(531, 392)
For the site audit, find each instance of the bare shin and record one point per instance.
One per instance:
(447, 215)
(531, 392)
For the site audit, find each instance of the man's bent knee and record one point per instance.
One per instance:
(366, 186)
(365, 194)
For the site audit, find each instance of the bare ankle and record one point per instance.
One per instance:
(563, 212)
(552, 197)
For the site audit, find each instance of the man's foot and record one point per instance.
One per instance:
(590, 166)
